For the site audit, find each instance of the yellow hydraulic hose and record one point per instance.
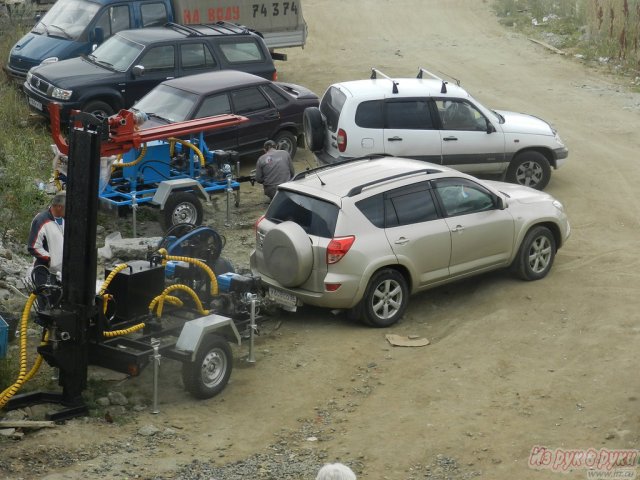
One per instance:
(173, 141)
(194, 261)
(114, 272)
(56, 180)
(119, 164)
(107, 297)
(116, 333)
(169, 299)
(165, 293)
(23, 375)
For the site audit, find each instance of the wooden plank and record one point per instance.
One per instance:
(547, 46)
(27, 424)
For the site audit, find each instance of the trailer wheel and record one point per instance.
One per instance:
(182, 207)
(209, 373)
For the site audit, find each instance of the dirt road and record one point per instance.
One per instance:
(511, 364)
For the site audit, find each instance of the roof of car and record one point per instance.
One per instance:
(337, 180)
(407, 87)
(203, 83)
(172, 31)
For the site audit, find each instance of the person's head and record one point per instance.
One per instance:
(335, 471)
(58, 203)
(268, 145)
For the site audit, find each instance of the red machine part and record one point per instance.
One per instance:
(125, 135)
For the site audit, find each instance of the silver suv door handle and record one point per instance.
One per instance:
(450, 139)
(459, 228)
(401, 241)
(394, 139)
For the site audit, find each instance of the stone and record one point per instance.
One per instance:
(117, 398)
(148, 430)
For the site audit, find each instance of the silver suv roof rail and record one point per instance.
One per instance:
(443, 89)
(422, 70)
(374, 74)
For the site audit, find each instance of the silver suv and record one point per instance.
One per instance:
(429, 119)
(364, 234)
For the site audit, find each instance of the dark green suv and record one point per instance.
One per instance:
(129, 64)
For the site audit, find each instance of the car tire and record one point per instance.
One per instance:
(210, 372)
(536, 254)
(530, 169)
(313, 126)
(288, 254)
(181, 207)
(98, 108)
(385, 299)
(287, 141)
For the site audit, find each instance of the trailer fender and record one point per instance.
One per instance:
(194, 331)
(166, 187)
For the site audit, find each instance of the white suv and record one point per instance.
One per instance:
(430, 119)
(364, 234)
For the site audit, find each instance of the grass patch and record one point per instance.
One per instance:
(24, 152)
(604, 32)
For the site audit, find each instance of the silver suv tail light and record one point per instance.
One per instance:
(338, 248)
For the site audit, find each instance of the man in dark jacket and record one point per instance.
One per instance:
(273, 168)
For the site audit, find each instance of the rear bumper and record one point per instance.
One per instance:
(323, 158)
(344, 297)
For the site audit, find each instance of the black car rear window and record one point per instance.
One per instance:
(317, 217)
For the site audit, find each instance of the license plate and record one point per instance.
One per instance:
(35, 104)
(283, 298)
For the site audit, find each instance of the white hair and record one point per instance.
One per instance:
(335, 471)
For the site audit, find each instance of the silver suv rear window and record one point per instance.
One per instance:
(316, 217)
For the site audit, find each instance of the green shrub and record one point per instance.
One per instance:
(596, 29)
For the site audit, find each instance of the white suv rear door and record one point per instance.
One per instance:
(410, 130)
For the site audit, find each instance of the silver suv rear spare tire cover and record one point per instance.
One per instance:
(288, 254)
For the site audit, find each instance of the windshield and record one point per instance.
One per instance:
(167, 103)
(67, 19)
(117, 53)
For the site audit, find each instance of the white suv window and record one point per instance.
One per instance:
(460, 115)
(408, 115)
(370, 114)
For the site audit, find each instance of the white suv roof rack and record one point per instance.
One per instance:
(374, 74)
